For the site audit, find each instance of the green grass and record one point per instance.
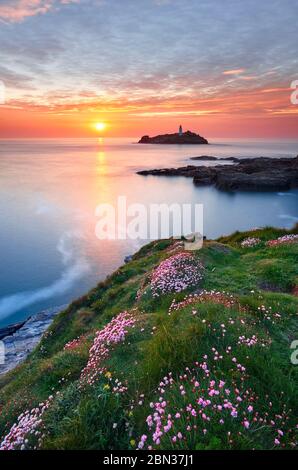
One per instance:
(94, 417)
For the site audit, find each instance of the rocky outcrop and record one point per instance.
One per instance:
(210, 158)
(247, 174)
(10, 329)
(23, 337)
(187, 137)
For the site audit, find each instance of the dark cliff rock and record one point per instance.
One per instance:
(210, 158)
(10, 329)
(186, 138)
(248, 174)
(20, 339)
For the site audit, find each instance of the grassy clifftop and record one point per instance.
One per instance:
(175, 350)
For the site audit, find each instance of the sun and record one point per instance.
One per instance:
(100, 126)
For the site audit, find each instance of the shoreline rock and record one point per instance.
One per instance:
(188, 138)
(10, 329)
(247, 174)
(210, 158)
(23, 337)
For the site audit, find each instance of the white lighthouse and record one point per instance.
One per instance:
(180, 130)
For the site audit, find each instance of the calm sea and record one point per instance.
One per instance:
(49, 190)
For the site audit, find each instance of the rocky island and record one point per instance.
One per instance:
(179, 137)
(247, 174)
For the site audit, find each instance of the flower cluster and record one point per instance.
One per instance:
(27, 424)
(112, 334)
(194, 406)
(248, 341)
(223, 298)
(176, 274)
(73, 344)
(283, 240)
(268, 314)
(113, 385)
(250, 242)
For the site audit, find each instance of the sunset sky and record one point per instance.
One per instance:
(221, 68)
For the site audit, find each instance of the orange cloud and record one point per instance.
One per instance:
(233, 72)
(248, 101)
(18, 10)
(249, 112)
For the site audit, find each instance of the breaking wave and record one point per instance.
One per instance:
(75, 269)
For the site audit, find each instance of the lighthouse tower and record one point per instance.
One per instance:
(180, 130)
